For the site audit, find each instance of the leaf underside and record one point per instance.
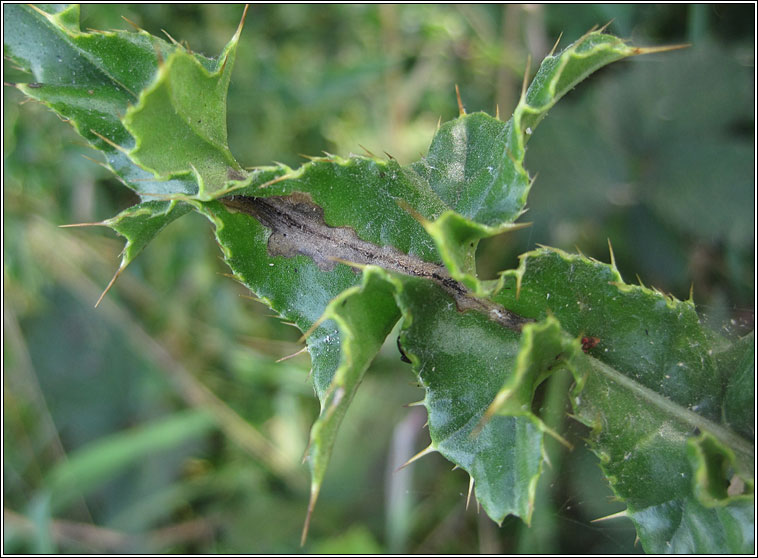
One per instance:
(344, 248)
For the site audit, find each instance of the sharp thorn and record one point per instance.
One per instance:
(557, 437)
(99, 224)
(275, 180)
(604, 27)
(470, 490)
(555, 46)
(616, 515)
(652, 50)
(301, 351)
(413, 213)
(613, 257)
(311, 329)
(311, 505)
(110, 142)
(96, 161)
(130, 22)
(170, 38)
(426, 451)
(415, 403)
(242, 21)
(113, 280)
(367, 151)
(461, 110)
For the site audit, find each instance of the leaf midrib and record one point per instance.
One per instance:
(744, 451)
(301, 222)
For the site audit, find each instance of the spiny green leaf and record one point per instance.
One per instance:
(650, 384)
(93, 78)
(476, 162)
(365, 315)
(180, 121)
(669, 419)
(142, 222)
(461, 360)
(544, 349)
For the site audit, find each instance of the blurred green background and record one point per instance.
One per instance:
(160, 422)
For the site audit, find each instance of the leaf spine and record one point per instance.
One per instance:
(461, 110)
(112, 281)
(426, 451)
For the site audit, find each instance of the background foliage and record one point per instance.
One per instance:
(108, 445)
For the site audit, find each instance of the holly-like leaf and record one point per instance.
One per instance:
(179, 124)
(155, 110)
(343, 247)
(461, 360)
(648, 385)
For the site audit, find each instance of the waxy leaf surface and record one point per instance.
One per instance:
(345, 247)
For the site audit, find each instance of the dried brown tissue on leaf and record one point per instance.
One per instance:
(297, 227)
